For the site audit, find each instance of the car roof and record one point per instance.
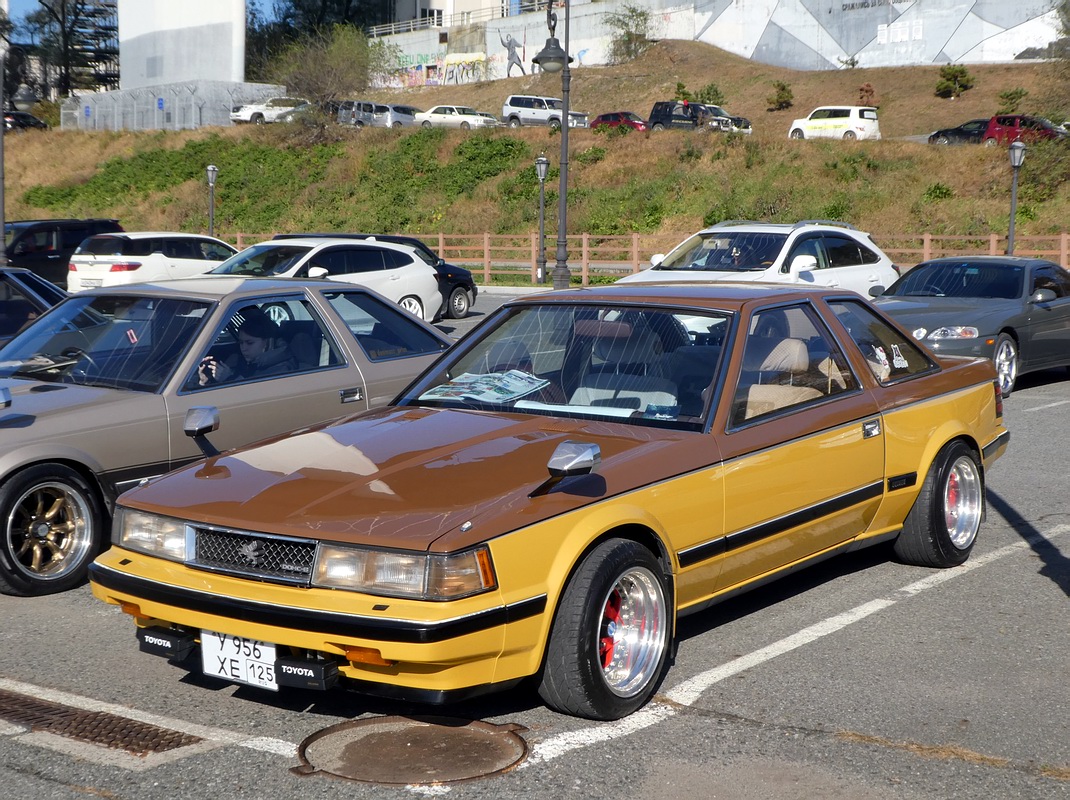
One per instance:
(148, 234)
(780, 227)
(212, 288)
(325, 241)
(996, 261)
(715, 295)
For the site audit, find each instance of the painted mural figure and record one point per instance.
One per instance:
(511, 44)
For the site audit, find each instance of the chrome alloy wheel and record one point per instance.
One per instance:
(1006, 361)
(963, 502)
(49, 531)
(633, 631)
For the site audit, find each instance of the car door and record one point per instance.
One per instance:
(366, 266)
(181, 257)
(803, 445)
(329, 387)
(41, 249)
(850, 264)
(1049, 341)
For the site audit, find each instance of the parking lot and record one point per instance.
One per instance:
(858, 678)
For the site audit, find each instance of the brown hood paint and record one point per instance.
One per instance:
(410, 478)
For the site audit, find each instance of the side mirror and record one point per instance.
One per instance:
(1043, 296)
(876, 290)
(317, 272)
(656, 259)
(568, 460)
(200, 421)
(801, 264)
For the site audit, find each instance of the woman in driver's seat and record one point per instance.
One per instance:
(261, 352)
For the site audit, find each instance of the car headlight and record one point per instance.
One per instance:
(427, 576)
(164, 537)
(954, 332)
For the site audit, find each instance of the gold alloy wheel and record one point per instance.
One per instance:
(49, 530)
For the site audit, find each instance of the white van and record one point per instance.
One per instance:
(837, 122)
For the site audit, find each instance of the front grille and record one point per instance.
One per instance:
(258, 555)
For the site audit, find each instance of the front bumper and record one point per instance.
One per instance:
(406, 648)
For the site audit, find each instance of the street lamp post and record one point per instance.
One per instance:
(212, 171)
(1017, 156)
(554, 58)
(542, 165)
(3, 66)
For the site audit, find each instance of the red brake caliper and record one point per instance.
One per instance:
(951, 498)
(610, 620)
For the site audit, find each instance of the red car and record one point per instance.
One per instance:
(1007, 128)
(616, 119)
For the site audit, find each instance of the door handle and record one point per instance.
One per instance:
(871, 428)
(351, 395)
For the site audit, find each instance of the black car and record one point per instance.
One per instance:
(22, 120)
(23, 298)
(967, 133)
(456, 284)
(46, 245)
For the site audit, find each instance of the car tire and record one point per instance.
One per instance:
(849, 136)
(941, 528)
(615, 607)
(514, 122)
(426, 124)
(52, 528)
(395, 124)
(465, 126)
(412, 305)
(941, 140)
(990, 142)
(458, 305)
(555, 124)
(257, 119)
(796, 133)
(657, 126)
(1005, 357)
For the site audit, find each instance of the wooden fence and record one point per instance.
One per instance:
(607, 257)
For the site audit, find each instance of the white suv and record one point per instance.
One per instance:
(822, 253)
(837, 122)
(526, 109)
(110, 259)
(393, 270)
(267, 111)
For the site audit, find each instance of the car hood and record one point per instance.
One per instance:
(40, 410)
(932, 312)
(414, 478)
(655, 275)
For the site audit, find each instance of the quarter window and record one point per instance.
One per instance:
(380, 329)
(890, 355)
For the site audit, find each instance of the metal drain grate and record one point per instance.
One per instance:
(96, 727)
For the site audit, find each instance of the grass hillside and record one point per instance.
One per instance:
(279, 177)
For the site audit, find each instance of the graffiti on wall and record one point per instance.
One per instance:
(439, 69)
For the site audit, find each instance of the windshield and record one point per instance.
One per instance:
(116, 341)
(263, 259)
(726, 251)
(466, 110)
(960, 279)
(11, 230)
(630, 364)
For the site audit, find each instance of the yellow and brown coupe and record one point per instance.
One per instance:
(556, 491)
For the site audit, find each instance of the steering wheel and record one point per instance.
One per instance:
(76, 354)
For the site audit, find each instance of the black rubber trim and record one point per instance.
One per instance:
(775, 527)
(322, 622)
(1000, 441)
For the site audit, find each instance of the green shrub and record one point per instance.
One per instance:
(937, 191)
(954, 80)
(781, 97)
(1011, 100)
(592, 155)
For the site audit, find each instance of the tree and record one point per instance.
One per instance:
(954, 80)
(630, 33)
(331, 64)
(781, 97)
(59, 26)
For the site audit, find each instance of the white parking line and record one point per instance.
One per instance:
(1047, 406)
(690, 690)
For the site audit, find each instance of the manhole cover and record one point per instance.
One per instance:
(412, 750)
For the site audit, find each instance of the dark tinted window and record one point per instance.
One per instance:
(382, 331)
(365, 260)
(842, 251)
(1054, 278)
(961, 279)
(73, 236)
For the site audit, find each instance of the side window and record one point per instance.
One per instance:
(72, 237)
(395, 259)
(211, 251)
(364, 259)
(889, 354)
(1054, 278)
(15, 308)
(177, 248)
(840, 113)
(810, 246)
(382, 331)
(867, 255)
(790, 359)
(269, 338)
(334, 261)
(821, 113)
(842, 251)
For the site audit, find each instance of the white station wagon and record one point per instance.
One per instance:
(837, 122)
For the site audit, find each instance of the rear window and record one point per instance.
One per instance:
(117, 246)
(868, 113)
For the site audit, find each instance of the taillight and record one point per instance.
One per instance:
(124, 266)
(71, 267)
(999, 400)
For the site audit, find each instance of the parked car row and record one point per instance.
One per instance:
(1001, 129)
